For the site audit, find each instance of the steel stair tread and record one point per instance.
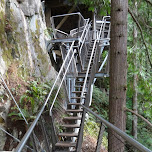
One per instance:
(71, 125)
(77, 97)
(78, 92)
(65, 144)
(77, 104)
(65, 151)
(74, 110)
(69, 134)
(82, 72)
(80, 81)
(72, 118)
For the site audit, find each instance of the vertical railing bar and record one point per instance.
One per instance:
(53, 26)
(100, 136)
(44, 134)
(14, 138)
(85, 28)
(33, 142)
(109, 30)
(53, 133)
(13, 99)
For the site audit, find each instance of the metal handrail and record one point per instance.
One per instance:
(31, 128)
(62, 32)
(16, 139)
(87, 73)
(82, 43)
(103, 22)
(62, 81)
(78, 13)
(130, 140)
(74, 31)
(87, 30)
(13, 99)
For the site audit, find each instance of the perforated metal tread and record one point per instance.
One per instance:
(77, 97)
(72, 118)
(71, 125)
(65, 144)
(69, 134)
(74, 110)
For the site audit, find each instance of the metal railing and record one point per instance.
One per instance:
(76, 31)
(104, 31)
(129, 144)
(31, 128)
(83, 39)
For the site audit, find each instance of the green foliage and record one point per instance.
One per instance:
(100, 102)
(33, 99)
(136, 48)
(92, 129)
(102, 6)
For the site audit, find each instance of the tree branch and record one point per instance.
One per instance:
(142, 36)
(149, 123)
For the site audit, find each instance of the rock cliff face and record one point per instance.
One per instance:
(23, 38)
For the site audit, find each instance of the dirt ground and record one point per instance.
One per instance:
(89, 145)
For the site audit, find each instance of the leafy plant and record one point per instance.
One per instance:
(92, 129)
(102, 6)
(100, 102)
(32, 100)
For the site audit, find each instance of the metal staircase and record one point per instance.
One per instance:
(81, 50)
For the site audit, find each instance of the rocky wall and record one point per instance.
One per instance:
(23, 39)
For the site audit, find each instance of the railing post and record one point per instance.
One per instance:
(94, 25)
(80, 139)
(102, 128)
(33, 142)
(53, 133)
(45, 135)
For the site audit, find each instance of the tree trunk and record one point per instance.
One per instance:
(134, 102)
(118, 72)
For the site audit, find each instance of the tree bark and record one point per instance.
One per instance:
(118, 72)
(134, 102)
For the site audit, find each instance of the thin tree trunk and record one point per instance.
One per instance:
(118, 72)
(134, 102)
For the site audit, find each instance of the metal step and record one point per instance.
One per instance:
(71, 126)
(77, 104)
(74, 110)
(65, 144)
(80, 77)
(78, 92)
(77, 97)
(82, 72)
(80, 81)
(68, 134)
(65, 150)
(78, 86)
(72, 118)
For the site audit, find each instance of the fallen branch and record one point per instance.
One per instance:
(149, 123)
(142, 36)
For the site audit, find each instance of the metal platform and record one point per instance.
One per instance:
(65, 40)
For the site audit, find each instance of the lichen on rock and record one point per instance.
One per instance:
(22, 44)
